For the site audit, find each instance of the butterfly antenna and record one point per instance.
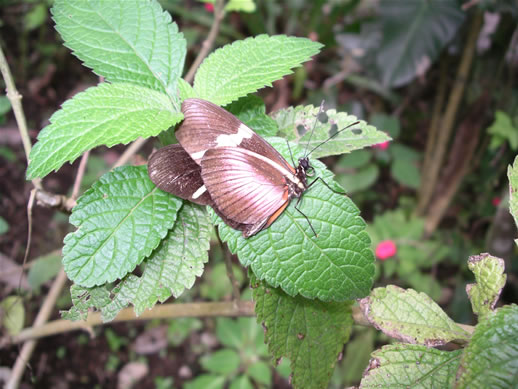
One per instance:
(332, 136)
(314, 125)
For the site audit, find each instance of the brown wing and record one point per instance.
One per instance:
(174, 171)
(245, 186)
(207, 126)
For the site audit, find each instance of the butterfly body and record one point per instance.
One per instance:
(221, 162)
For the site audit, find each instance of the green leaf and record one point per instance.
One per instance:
(297, 124)
(121, 219)
(224, 361)
(503, 130)
(337, 265)
(171, 268)
(216, 285)
(414, 33)
(241, 382)
(35, 17)
(490, 277)
(124, 41)
(185, 90)
(491, 358)
(402, 366)
(308, 332)
(410, 316)
(386, 123)
(357, 356)
(243, 67)
(229, 333)
(260, 372)
(12, 314)
(354, 160)
(240, 5)
(43, 269)
(406, 173)
(360, 180)
(206, 381)
(512, 175)
(4, 226)
(5, 105)
(85, 298)
(251, 111)
(107, 114)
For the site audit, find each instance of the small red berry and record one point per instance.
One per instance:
(386, 249)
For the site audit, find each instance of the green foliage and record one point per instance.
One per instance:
(4, 226)
(512, 175)
(490, 277)
(294, 328)
(12, 314)
(236, 5)
(107, 114)
(414, 254)
(491, 358)
(246, 66)
(408, 48)
(410, 316)
(216, 285)
(43, 269)
(297, 124)
(403, 366)
(337, 265)
(124, 42)
(404, 168)
(241, 361)
(120, 220)
(503, 130)
(252, 111)
(179, 329)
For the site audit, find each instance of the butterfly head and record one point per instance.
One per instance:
(304, 168)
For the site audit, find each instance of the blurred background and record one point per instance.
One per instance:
(440, 77)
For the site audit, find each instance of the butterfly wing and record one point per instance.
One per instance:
(174, 171)
(207, 126)
(244, 185)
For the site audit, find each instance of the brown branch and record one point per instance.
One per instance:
(207, 44)
(452, 107)
(41, 319)
(79, 176)
(167, 311)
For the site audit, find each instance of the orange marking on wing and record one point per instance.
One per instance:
(276, 214)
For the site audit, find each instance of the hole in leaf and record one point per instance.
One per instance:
(322, 117)
(301, 129)
(356, 131)
(333, 130)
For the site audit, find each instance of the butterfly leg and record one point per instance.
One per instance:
(302, 213)
(326, 184)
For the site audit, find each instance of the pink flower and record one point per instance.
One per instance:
(382, 146)
(209, 7)
(496, 201)
(386, 249)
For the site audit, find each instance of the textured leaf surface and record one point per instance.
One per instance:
(512, 175)
(337, 265)
(131, 41)
(410, 316)
(243, 67)
(490, 277)
(251, 111)
(296, 124)
(310, 333)
(84, 299)
(171, 268)
(107, 114)
(119, 220)
(410, 47)
(411, 366)
(491, 358)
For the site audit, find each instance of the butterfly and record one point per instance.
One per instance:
(221, 162)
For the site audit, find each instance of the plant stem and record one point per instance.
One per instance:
(16, 103)
(207, 44)
(41, 319)
(451, 110)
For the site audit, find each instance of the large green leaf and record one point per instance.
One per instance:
(304, 125)
(120, 220)
(107, 114)
(243, 67)
(336, 265)
(251, 111)
(414, 33)
(310, 333)
(491, 358)
(131, 41)
(403, 366)
(410, 316)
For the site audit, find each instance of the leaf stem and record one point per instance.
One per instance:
(207, 44)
